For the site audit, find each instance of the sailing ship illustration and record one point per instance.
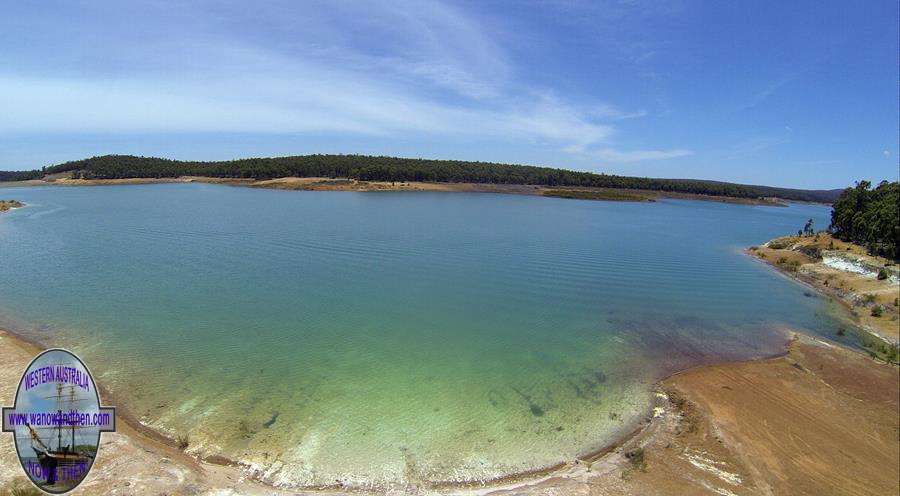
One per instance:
(66, 461)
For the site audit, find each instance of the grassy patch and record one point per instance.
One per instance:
(780, 243)
(596, 194)
(878, 348)
(182, 441)
(792, 265)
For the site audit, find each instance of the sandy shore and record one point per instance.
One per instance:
(330, 184)
(820, 419)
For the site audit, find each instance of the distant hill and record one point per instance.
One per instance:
(370, 168)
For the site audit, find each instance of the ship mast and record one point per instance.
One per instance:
(71, 421)
(59, 419)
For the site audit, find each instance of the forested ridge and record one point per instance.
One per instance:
(371, 168)
(869, 217)
(20, 175)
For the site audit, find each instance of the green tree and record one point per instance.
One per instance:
(808, 228)
(869, 217)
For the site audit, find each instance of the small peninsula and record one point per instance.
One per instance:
(6, 205)
(866, 285)
(855, 261)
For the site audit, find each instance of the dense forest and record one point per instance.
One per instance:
(869, 217)
(369, 168)
(20, 175)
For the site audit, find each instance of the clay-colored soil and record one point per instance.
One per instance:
(819, 421)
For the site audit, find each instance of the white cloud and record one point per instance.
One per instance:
(752, 146)
(317, 102)
(766, 92)
(607, 111)
(886, 153)
(372, 68)
(612, 155)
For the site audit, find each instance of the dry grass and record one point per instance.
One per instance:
(20, 488)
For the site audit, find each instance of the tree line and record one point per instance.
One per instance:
(20, 175)
(371, 168)
(869, 217)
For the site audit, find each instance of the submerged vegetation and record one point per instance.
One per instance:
(869, 217)
(370, 168)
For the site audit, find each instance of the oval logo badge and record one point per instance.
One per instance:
(57, 421)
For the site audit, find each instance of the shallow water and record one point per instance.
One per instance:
(392, 337)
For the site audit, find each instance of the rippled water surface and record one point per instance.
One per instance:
(392, 337)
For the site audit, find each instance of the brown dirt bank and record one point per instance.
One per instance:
(821, 420)
(331, 184)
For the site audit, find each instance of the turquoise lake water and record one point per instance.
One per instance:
(388, 338)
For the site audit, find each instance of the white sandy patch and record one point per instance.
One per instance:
(846, 265)
(855, 267)
(709, 465)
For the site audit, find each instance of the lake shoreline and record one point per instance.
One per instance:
(614, 455)
(342, 184)
(671, 420)
(148, 438)
(801, 260)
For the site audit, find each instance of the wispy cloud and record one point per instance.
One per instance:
(764, 94)
(754, 145)
(611, 112)
(316, 102)
(619, 156)
(371, 68)
(315, 80)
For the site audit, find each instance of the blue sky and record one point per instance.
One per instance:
(801, 94)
